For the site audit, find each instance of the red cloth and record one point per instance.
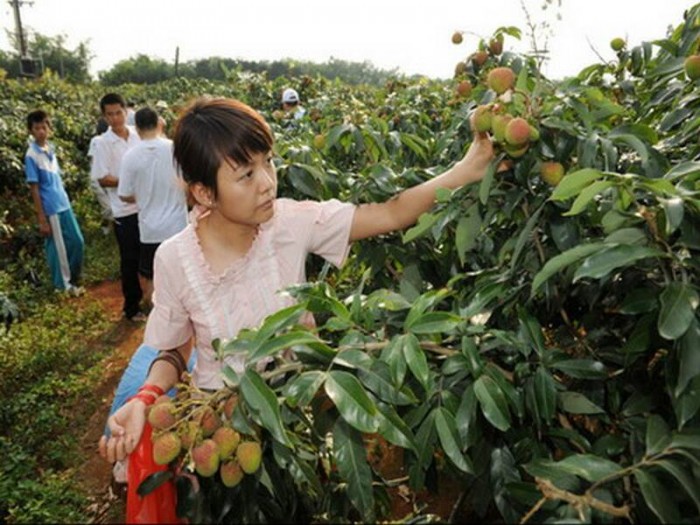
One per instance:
(158, 506)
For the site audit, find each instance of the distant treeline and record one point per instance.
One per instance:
(51, 53)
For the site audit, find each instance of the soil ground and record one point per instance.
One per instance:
(95, 474)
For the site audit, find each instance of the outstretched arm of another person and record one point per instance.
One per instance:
(404, 209)
(126, 424)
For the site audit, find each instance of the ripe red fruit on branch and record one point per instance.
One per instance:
(551, 172)
(501, 79)
(517, 132)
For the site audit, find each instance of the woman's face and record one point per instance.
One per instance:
(246, 192)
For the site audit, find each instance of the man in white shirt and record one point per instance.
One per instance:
(107, 157)
(148, 178)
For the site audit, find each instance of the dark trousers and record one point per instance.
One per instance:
(127, 232)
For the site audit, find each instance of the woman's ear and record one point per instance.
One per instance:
(202, 195)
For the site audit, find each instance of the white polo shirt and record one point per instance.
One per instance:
(148, 174)
(106, 160)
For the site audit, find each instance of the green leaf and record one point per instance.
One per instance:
(640, 301)
(678, 304)
(545, 393)
(263, 402)
(683, 170)
(586, 196)
(393, 428)
(283, 342)
(602, 263)
(558, 263)
(689, 357)
(278, 321)
(686, 439)
(531, 330)
(573, 183)
(633, 142)
(588, 466)
(153, 481)
(351, 459)
(425, 222)
(576, 403)
(582, 368)
(658, 435)
(493, 402)
(354, 358)
(378, 380)
(449, 439)
(434, 322)
(301, 390)
(525, 236)
(688, 482)
(487, 180)
(674, 213)
(468, 229)
(657, 497)
(352, 401)
(416, 359)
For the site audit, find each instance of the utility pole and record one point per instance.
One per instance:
(21, 42)
(177, 60)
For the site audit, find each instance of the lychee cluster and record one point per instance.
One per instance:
(201, 435)
(485, 75)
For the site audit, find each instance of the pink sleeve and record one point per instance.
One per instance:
(329, 234)
(169, 324)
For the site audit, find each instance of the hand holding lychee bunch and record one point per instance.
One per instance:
(200, 432)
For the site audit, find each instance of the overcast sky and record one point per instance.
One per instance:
(413, 36)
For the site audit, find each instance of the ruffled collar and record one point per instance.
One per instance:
(235, 269)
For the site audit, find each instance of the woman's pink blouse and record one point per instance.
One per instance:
(189, 300)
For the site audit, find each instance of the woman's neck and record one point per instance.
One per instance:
(224, 242)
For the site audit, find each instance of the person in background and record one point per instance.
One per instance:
(64, 244)
(291, 104)
(130, 113)
(107, 158)
(99, 192)
(148, 178)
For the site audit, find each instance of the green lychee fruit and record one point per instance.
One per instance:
(166, 448)
(206, 458)
(464, 88)
(249, 456)
(498, 126)
(210, 421)
(231, 473)
(319, 143)
(227, 439)
(501, 79)
(692, 67)
(162, 415)
(617, 44)
(551, 172)
(232, 400)
(457, 37)
(517, 132)
(515, 152)
(482, 119)
(460, 68)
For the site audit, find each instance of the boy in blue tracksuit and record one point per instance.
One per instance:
(63, 239)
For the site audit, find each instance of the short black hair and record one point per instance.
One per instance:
(112, 98)
(146, 119)
(212, 131)
(37, 116)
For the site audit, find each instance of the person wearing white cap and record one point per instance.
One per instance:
(290, 103)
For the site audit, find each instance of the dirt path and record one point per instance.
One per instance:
(95, 473)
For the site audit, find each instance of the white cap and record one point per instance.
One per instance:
(290, 96)
(162, 104)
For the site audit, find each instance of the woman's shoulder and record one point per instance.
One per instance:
(178, 245)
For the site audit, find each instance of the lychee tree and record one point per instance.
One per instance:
(534, 339)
